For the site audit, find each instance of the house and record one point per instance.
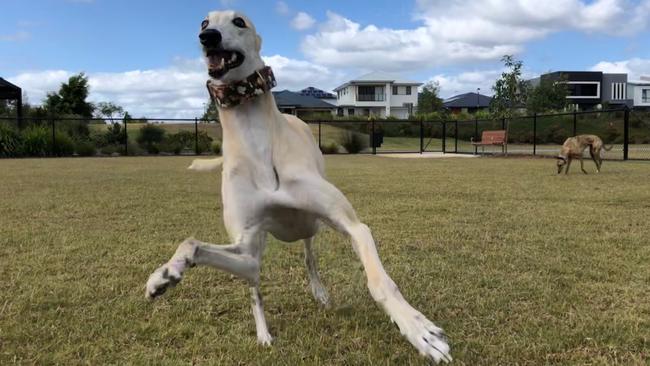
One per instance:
(301, 105)
(639, 93)
(591, 89)
(9, 91)
(377, 94)
(319, 94)
(468, 103)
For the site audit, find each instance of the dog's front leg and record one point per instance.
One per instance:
(242, 260)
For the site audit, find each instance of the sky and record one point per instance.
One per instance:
(144, 54)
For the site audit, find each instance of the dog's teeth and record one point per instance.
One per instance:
(233, 58)
(223, 63)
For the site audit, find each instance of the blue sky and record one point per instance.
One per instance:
(144, 55)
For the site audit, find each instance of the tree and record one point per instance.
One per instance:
(547, 96)
(211, 113)
(109, 109)
(71, 98)
(509, 89)
(428, 99)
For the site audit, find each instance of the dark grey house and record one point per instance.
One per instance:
(468, 103)
(300, 105)
(591, 89)
(9, 91)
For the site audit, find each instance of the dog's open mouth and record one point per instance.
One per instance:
(221, 61)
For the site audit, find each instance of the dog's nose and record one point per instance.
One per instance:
(210, 38)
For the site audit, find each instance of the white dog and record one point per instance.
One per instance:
(273, 182)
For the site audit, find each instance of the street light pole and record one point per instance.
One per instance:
(478, 95)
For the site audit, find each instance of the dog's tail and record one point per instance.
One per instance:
(608, 148)
(602, 151)
(206, 165)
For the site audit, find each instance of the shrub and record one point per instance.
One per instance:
(354, 142)
(204, 142)
(36, 141)
(10, 141)
(331, 148)
(111, 149)
(150, 138)
(63, 145)
(85, 148)
(216, 147)
(177, 142)
(115, 135)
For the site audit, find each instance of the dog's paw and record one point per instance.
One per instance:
(264, 339)
(429, 339)
(161, 279)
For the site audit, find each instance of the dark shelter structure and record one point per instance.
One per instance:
(9, 91)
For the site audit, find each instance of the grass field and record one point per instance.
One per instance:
(520, 266)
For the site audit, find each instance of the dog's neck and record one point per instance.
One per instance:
(239, 92)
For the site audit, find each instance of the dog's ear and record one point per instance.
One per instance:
(258, 42)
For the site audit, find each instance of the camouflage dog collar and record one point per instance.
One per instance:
(230, 95)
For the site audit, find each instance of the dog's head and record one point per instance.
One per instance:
(231, 46)
(561, 162)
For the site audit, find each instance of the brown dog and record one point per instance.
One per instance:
(573, 147)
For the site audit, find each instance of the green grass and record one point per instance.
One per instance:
(519, 265)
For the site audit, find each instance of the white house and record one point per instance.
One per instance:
(639, 92)
(377, 94)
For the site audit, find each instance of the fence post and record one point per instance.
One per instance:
(53, 137)
(196, 136)
(626, 133)
(421, 136)
(575, 123)
(475, 134)
(372, 138)
(503, 123)
(456, 137)
(126, 137)
(534, 134)
(444, 137)
(319, 145)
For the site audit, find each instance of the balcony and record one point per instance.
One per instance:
(371, 97)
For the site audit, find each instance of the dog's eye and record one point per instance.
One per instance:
(204, 24)
(239, 22)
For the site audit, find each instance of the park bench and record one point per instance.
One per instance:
(492, 138)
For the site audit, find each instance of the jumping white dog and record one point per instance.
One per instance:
(273, 181)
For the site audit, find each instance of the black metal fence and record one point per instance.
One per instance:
(628, 131)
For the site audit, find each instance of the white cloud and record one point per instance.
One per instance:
(634, 68)
(302, 21)
(282, 8)
(466, 82)
(177, 91)
(15, 37)
(459, 31)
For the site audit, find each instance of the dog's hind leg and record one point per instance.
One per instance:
(568, 164)
(595, 156)
(317, 288)
(322, 198)
(582, 165)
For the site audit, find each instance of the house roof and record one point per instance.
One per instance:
(467, 100)
(317, 93)
(9, 90)
(379, 77)
(286, 99)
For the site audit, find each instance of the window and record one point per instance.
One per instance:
(583, 89)
(371, 94)
(351, 112)
(645, 96)
(339, 112)
(618, 91)
(408, 90)
(395, 91)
